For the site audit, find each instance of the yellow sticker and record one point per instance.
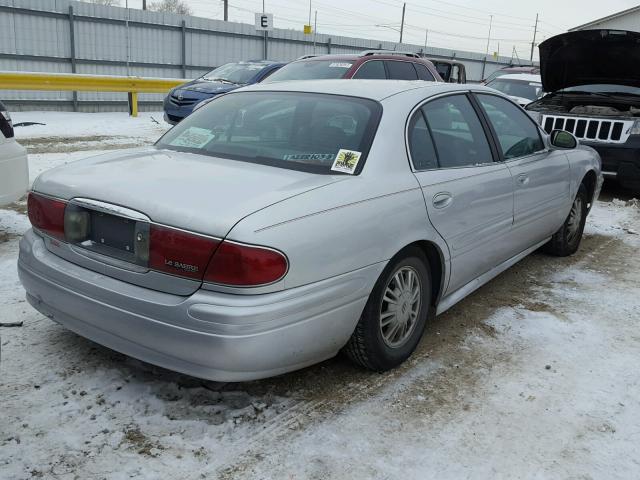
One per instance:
(346, 161)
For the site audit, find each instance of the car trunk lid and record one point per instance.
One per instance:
(117, 196)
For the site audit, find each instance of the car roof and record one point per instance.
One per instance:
(525, 77)
(355, 56)
(372, 89)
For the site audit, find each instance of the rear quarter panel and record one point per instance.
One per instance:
(353, 223)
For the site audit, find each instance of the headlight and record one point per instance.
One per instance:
(635, 129)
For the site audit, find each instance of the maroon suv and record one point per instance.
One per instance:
(370, 64)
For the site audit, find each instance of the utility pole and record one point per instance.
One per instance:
(404, 7)
(426, 37)
(533, 44)
(489, 35)
(226, 10)
(315, 28)
(309, 13)
(144, 4)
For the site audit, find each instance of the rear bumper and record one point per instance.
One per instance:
(621, 161)
(211, 335)
(14, 171)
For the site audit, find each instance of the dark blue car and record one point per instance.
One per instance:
(181, 100)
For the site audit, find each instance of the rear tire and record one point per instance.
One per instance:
(566, 241)
(395, 315)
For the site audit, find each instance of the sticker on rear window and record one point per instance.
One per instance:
(340, 65)
(309, 156)
(193, 137)
(346, 161)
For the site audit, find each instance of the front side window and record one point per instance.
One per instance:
(311, 70)
(517, 134)
(457, 132)
(234, 72)
(294, 130)
(401, 70)
(373, 69)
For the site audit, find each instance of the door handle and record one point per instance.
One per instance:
(442, 199)
(523, 179)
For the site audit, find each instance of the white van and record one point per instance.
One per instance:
(14, 169)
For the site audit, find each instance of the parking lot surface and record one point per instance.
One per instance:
(533, 376)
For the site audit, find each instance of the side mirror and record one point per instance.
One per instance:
(563, 139)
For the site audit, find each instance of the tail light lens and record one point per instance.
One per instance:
(246, 265)
(178, 252)
(170, 250)
(46, 214)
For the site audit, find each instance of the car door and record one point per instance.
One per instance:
(469, 196)
(542, 196)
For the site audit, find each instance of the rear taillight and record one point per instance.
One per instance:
(46, 214)
(170, 250)
(245, 265)
(178, 252)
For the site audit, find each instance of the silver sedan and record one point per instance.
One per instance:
(284, 223)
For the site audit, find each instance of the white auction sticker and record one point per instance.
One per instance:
(193, 137)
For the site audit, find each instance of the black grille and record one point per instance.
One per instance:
(182, 102)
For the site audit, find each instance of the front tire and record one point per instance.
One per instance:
(566, 241)
(395, 315)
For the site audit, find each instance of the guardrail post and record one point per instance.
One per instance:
(184, 49)
(133, 104)
(72, 42)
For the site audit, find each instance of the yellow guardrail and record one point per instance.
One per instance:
(88, 83)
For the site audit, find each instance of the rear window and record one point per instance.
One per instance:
(311, 70)
(517, 88)
(294, 130)
(235, 72)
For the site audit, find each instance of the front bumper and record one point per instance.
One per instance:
(211, 335)
(620, 161)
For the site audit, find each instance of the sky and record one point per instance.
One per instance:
(455, 24)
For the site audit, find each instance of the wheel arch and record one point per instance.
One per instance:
(590, 180)
(436, 261)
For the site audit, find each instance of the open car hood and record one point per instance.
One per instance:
(589, 57)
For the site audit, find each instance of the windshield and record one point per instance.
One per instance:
(496, 74)
(517, 88)
(295, 130)
(603, 88)
(311, 70)
(235, 72)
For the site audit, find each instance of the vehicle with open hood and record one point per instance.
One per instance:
(593, 82)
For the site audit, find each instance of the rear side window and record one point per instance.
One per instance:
(401, 70)
(373, 69)
(517, 134)
(457, 132)
(293, 130)
(423, 72)
(423, 154)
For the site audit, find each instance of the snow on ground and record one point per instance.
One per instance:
(70, 124)
(533, 376)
